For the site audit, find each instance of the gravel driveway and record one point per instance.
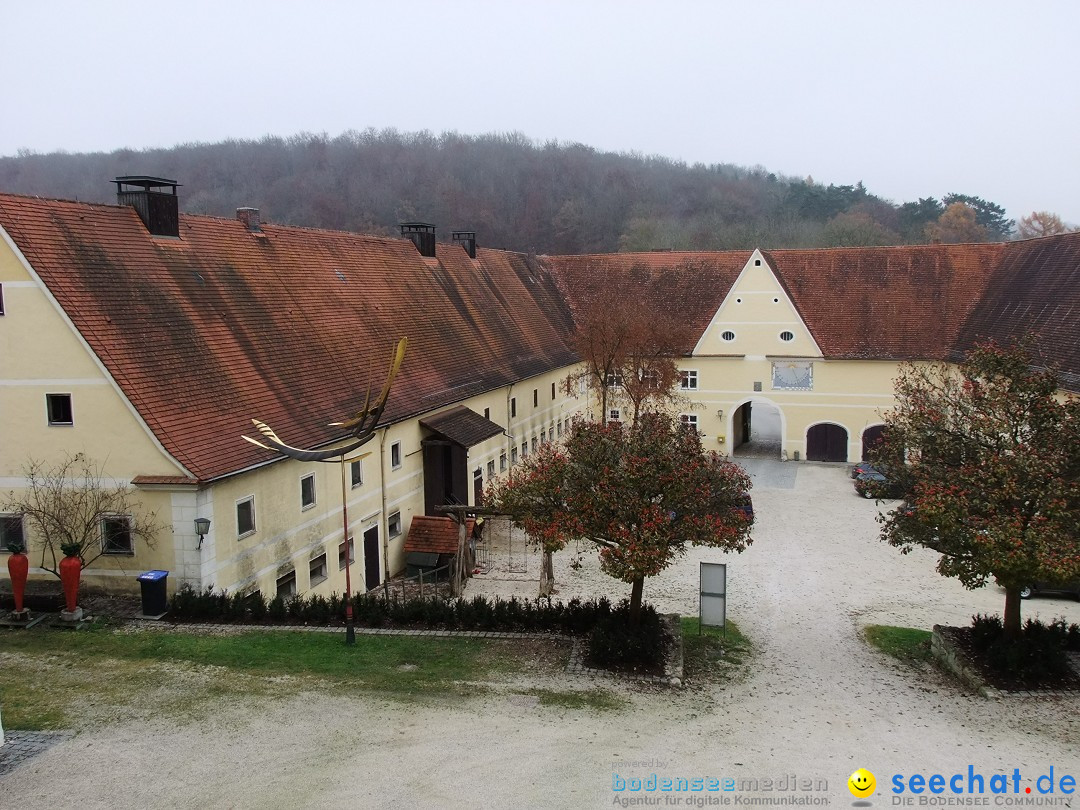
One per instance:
(818, 704)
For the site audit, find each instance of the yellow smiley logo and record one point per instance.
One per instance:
(861, 783)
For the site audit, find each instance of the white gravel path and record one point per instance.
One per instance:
(819, 704)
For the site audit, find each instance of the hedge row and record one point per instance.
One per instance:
(1039, 652)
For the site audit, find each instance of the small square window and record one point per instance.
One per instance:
(502, 462)
(688, 380)
(395, 455)
(286, 584)
(307, 491)
(59, 407)
(116, 535)
(513, 406)
(536, 397)
(513, 455)
(341, 553)
(356, 473)
(245, 517)
(11, 531)
(317, 569)
(393, 525)
(491, 469)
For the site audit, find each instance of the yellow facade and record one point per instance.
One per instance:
(735, 361)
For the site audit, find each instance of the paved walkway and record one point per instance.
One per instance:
(22, 746)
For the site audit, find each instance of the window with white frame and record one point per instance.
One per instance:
(491, 469)
(650, 378)
(11, 531)
(245, 516)
(59, 409)
(614, 379)
(395, 455)
(341, 553)
(502, 462)
(286, 584)
(688, 379)
(393, 525)
(356, 473)
(582, 385)
(689, 420)
(614, 415)
(307, 491)
(116, 535)
(532, 445)
(317, 569)
(524, 450)
(543, 436)
(558, 430)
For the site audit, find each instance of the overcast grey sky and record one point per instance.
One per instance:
(912, 98)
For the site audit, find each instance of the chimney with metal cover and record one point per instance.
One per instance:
(421, 234)
(251, 219)
(467, 239)
(158, 209)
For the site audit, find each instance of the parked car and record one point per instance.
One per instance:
(1071, 588)
(877, 484)
(746, 506)
(862, 468)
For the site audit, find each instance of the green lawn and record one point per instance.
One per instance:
(712, 651)
(59, 678)
(907, 644)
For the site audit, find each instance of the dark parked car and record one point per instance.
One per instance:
(862, 468)
(1071, 588)
(746, 505)
(877, 484)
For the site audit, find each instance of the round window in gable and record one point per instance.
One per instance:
(787, 336)
(738, 300)
(728, 335)
(776, 300)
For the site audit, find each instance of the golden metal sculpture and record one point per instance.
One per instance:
(361, 428)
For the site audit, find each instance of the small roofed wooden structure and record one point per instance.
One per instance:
(432, 543)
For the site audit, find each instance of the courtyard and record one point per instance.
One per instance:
(815, 703)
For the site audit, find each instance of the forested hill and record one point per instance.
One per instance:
(515, 193)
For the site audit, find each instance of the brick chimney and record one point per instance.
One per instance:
(251, 219)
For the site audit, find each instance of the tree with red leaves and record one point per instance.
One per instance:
(627, 341)
(640, 493)
(993, 472)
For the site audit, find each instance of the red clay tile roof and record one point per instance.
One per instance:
(462, 425)
(896, 303)
(163, 480)
(205, 332)
(436, 535)
(1034, 293)
(690, 286)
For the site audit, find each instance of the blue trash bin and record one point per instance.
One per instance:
(154, 597)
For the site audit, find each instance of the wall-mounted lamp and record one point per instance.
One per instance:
(202, 528)
(720, 413)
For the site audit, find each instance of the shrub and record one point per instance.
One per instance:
(616, 644)
(1038, 654)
